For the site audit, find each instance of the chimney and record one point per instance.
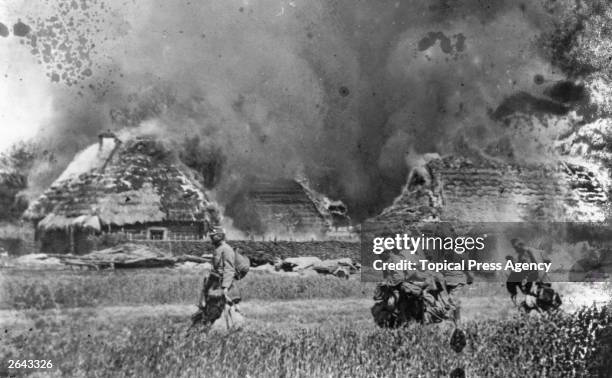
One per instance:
(107, 135)
(115, 143)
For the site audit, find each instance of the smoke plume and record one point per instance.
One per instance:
(338, 90)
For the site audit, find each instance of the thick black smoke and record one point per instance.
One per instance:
(339, 90)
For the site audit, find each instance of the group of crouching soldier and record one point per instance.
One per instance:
(426, 296)
(416, 295)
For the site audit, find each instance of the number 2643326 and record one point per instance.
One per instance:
(30, 364)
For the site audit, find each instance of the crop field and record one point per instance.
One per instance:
(67, 289)
(296, 326)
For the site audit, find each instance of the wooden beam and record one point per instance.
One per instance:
(71, 233)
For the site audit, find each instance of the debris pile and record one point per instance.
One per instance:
(342, 267)
(132, 255)
(123, 256)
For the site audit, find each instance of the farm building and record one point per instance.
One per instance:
(137, 188)
(544, 205)
(286, 208)
(482, 190)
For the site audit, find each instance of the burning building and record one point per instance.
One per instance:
(137, 188)
(286, 208)
(484, 190)
(551, 207)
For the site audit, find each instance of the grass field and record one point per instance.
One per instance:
(66, 289)
(39, 289)
(300, 338)
(134, 323)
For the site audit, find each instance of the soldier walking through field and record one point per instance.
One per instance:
(220, 296)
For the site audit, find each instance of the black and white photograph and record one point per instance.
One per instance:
(306, 188)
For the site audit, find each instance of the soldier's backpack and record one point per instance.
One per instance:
(242, 264)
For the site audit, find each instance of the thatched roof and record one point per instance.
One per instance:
(114, 183)
(280, 206)
(482, 190)
(286, 201)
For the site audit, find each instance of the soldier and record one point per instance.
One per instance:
(218, 289)
(524, 255)
(430, 286)
(538, 297)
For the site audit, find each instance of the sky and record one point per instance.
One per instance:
(25, 95)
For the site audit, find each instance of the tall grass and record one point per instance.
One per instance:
(64, 289)
(560, 346)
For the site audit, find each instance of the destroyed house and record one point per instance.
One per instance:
(282, 208)
(136, 188)
(458, 189)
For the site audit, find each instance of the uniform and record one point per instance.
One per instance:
(221, 278)
(222, 275)
(418, 283)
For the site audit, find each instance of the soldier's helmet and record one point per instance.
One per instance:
(217, 234)
(517, 243)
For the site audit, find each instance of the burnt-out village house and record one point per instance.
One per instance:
(542, 204)
(460, 189)
(496, 195)
(286, 209)
(137, 188)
